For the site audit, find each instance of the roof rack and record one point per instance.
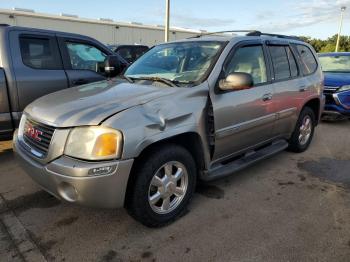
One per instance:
(249, 33)
(222, 32)
(258, 33)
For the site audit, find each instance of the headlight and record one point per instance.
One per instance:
(94, 143)
(21, 126)
(344, 88)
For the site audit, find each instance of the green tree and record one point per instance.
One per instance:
(329, 44)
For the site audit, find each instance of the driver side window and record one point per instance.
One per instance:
(248, 59)
(84, 56)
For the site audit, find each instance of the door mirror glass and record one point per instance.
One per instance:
(112, 66)
(236, 81)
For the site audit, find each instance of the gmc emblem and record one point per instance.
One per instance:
(33, 133)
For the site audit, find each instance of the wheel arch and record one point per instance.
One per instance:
(315, 105)
(191, 141)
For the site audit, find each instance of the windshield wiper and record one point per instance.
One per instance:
(157, 79)
(126, 78)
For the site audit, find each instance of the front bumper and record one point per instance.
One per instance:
(337, 103)
(68, 179)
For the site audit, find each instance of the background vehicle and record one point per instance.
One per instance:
(36, 62)
(201, 108)
(336, 69)
(129, 52)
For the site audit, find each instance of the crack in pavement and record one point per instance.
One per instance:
(19, 236)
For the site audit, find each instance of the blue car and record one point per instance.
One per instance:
(336, 68)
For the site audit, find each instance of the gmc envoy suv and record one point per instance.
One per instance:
(197, 109)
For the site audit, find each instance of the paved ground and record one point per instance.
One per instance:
(292, 207)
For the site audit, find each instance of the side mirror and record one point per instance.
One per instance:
(236, 81)
(112, 66)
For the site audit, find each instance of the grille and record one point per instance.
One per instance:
(38, 136)
(330, 89)
(329, 99)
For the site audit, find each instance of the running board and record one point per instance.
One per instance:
(245, 161)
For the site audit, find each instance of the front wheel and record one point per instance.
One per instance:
(304, 131)
(163, 186)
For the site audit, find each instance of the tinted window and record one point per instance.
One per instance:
(249, 59)
(84, 56)
(126, 53)
(139, 51)
(280, 62)
(292, 63)
(40, 53)
(308, 61)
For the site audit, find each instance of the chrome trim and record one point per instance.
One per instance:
(286, 112)
(331, 88)
(234, 129)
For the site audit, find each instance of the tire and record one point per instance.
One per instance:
(297, 143)
(152, 181)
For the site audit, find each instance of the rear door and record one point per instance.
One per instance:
(286, 82)
(82, 60)
(38, 65)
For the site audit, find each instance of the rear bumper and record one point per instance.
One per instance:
(69, 179)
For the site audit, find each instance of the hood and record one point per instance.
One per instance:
(91, 104)
(336, 79)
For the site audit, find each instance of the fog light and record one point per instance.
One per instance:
(100, 171)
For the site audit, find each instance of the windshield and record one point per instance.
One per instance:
(185, 62)
(339, 63)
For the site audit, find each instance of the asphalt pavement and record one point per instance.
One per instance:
(291, 207)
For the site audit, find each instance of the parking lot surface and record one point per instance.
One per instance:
(291, 207)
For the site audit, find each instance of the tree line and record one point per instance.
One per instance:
(329, 44)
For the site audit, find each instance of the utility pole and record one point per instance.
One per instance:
(167, 18)
(342, 10)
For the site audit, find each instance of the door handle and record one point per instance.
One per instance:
(302, 88)
(79, 82)
(267, 97)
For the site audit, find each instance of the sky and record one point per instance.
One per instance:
(315, 18)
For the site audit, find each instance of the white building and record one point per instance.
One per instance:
(105, 30)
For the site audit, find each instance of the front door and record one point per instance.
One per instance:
(244, 118)
(82, 61)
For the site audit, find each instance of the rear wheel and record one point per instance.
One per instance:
(304, 131)
(164, 185)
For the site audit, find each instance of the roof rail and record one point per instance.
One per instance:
(4, 25)
(222, 32)
(249, 33)
(258, 33)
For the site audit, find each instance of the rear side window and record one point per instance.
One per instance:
(308, 61)
(292, 63)
(280, 62)
(40, 53)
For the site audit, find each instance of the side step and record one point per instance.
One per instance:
(245, 161)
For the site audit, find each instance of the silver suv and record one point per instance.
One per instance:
(200, 108)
